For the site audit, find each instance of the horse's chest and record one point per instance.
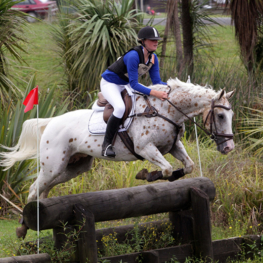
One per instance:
(152, 130)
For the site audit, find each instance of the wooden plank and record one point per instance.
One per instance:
(123, 233)
(60, 235)
(36, 258)
(127, 258)
(164, 255)
(128, 202)
(151, 256)
(182, 223)
(203, 248)
(86, 245)
(230, 249)
(226, 249)
(179, 252)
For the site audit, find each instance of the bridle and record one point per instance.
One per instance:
(152, 112)
(213, 135)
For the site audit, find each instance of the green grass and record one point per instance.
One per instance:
(41, 59)
(9, 243)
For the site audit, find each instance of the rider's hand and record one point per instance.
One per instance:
(159, 94)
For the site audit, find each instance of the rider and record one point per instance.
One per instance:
(126, 70)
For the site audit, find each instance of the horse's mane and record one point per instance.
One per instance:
(181, 86)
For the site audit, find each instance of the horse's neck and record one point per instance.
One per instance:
(192, 104)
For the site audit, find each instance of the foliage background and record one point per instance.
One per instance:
(237, 209)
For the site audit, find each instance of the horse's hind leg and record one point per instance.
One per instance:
(42, 182)
(71, 171)
(52, 163)
(22, 231)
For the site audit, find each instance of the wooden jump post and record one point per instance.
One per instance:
(124, 203)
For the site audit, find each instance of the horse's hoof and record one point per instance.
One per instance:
(21, 231)
(142, 174)
(153, 176)
(176, 175)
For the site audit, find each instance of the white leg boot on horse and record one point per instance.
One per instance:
(112, 128)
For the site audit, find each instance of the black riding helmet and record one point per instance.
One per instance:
(148, 32)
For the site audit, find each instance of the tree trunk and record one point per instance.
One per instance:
(164, 42)
(173, 22)
(178, 41)
(187, 26)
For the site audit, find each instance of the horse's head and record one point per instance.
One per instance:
(218, 120)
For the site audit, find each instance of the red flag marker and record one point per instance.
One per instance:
(31, 99)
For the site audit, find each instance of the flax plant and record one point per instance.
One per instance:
(253, 128)
(100, 32)
(12, 38)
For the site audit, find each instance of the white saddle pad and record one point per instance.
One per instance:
(97, 126)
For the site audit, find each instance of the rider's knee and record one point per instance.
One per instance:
(119, 111)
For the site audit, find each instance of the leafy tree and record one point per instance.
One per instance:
(188, 16)
(11, 42)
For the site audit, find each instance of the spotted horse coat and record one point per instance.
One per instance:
(67, 148)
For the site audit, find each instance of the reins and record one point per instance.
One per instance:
(213, 135)
(152, 112)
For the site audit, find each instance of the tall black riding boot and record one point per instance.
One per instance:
(112, 127)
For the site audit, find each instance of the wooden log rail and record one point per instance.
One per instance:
(136, 201)
(118, 204)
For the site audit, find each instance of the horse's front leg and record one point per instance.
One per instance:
(153, 155)
(179, 152)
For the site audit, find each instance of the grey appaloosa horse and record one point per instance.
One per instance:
(67, 148)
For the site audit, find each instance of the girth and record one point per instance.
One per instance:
(149, 112)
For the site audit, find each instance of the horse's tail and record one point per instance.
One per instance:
(26, 147)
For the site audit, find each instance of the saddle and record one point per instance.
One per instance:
(108, 110)
(102, 102)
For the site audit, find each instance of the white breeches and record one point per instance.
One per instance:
(112, 93)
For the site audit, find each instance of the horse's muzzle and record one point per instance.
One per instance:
(226, 147)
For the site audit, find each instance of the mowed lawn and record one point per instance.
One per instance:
(41, 58)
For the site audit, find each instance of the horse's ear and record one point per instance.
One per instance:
(230, 94)
(220, 95)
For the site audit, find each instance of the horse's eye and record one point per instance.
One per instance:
(221, 116)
